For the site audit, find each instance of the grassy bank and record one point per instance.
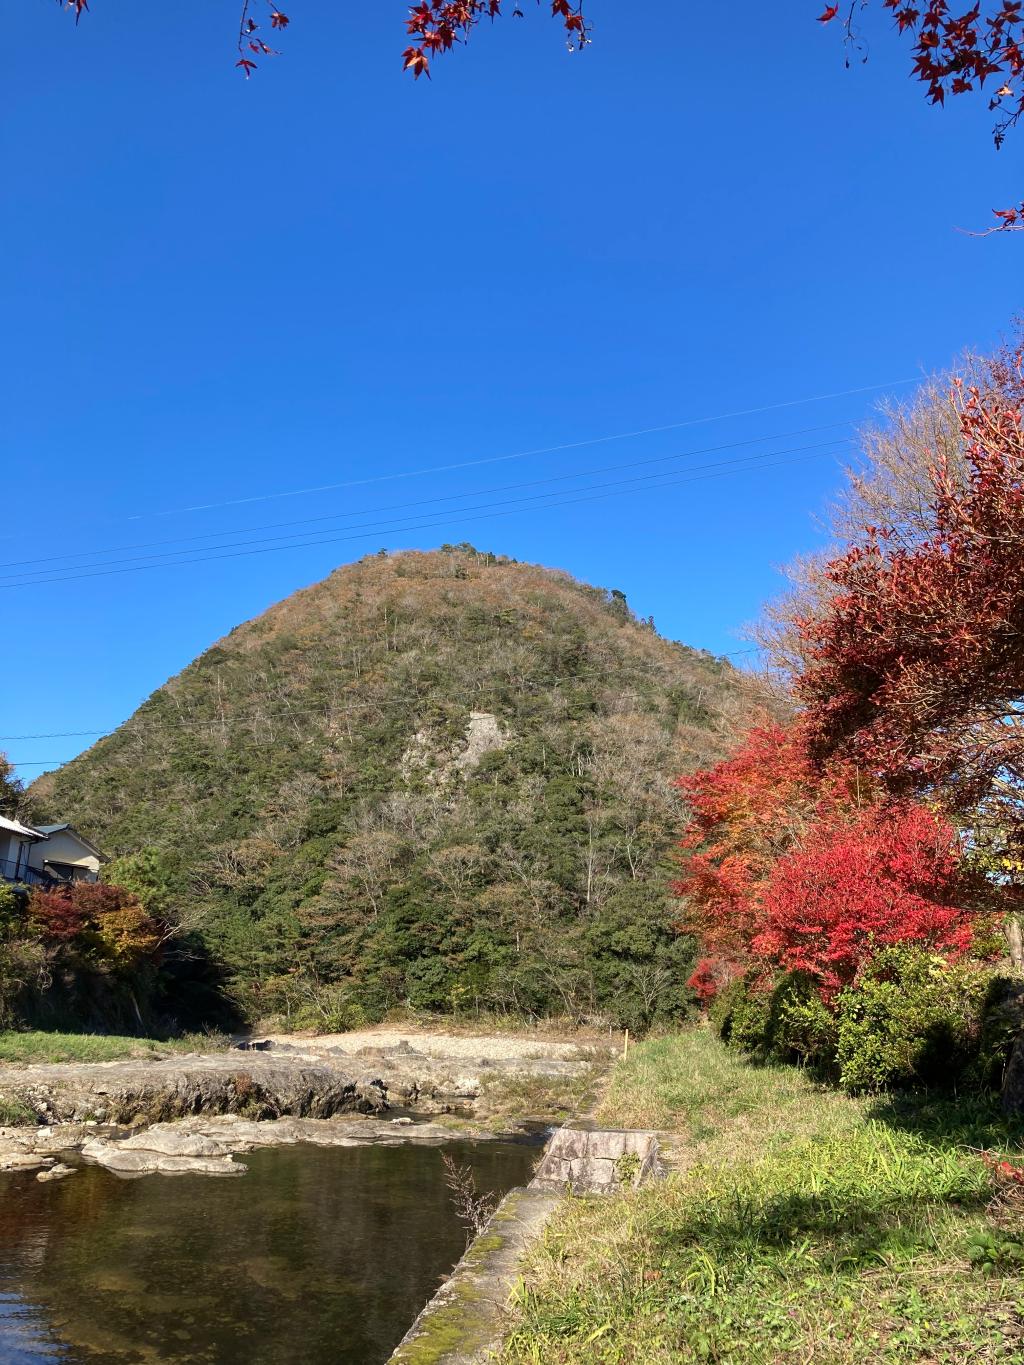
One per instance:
(36, 1046)
(800, 1225)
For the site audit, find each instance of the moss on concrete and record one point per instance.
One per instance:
(448, 1327)
(464, 1318)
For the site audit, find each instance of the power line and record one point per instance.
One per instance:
(517, 455)
(456, 519)
(391, 525)
(401, 506)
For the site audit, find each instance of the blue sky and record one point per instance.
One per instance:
(218, 290)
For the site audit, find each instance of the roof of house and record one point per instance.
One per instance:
(47, 830)
(15, 827)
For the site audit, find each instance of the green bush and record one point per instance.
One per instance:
(1002, 1023)
(748, 1027)
(801, 1027)
(912, 1019)
(15, 1113)
(12, 909)
(786, 1022)
(329, 1009)
(723, 1006)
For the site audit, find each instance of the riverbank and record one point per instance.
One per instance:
(471, 1086)
(798, 1224)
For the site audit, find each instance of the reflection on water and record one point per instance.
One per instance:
(317, 1255)
(24, 1335)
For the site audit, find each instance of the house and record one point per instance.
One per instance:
(66, 855)
(16, 840)
(46, 854)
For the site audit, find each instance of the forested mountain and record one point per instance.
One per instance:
(441, 778)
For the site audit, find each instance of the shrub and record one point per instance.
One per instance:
(12, 910)
(785, 1021)
(722, 1005)
(320, 1006)
(748, 1023)
(801, 1027)
(15, 1113)
(913, 1018)
(1002, 1023)
(24, 971)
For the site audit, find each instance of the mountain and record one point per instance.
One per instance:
(437, 778)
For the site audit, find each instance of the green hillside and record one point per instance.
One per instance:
(441, 779)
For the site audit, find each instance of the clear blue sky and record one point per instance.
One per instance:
(216, 290)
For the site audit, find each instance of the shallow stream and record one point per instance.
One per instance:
(319, 1254)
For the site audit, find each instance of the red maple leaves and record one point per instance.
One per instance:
(916, 669)
(249, 41)
(889, 874)
(785, 869)
(435, 26)
(954, 53)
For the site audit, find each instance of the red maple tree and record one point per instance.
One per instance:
(916, 668)
(744, 813)
(786, 868)
(892, 874)
(96, 921)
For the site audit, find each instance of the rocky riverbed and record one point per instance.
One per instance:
(197, 1112)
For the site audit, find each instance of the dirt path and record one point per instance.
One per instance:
(477, 1047)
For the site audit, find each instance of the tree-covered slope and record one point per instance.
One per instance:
(439, 778)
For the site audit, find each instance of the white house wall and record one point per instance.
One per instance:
(63, 848)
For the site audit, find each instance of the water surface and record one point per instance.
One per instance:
(317, 1255)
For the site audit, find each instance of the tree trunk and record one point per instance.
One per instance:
(1014, 941)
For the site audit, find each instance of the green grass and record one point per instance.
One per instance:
(546, 1098)
(799, 1225)
(35, 1046)
(15, 1113)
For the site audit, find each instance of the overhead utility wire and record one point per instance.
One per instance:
(400, 506)
(455, 519)
(36, 574)
(518, 455)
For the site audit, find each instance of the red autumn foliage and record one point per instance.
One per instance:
(707, 979)
(953, 53)
(57, 915)
(957, 53)
(97, 920)
(744, 813)
(916, 668)
(435, 26)
(785, 869)
(893, 874)
(960, 53)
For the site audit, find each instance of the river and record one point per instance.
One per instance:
(319, 1254)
